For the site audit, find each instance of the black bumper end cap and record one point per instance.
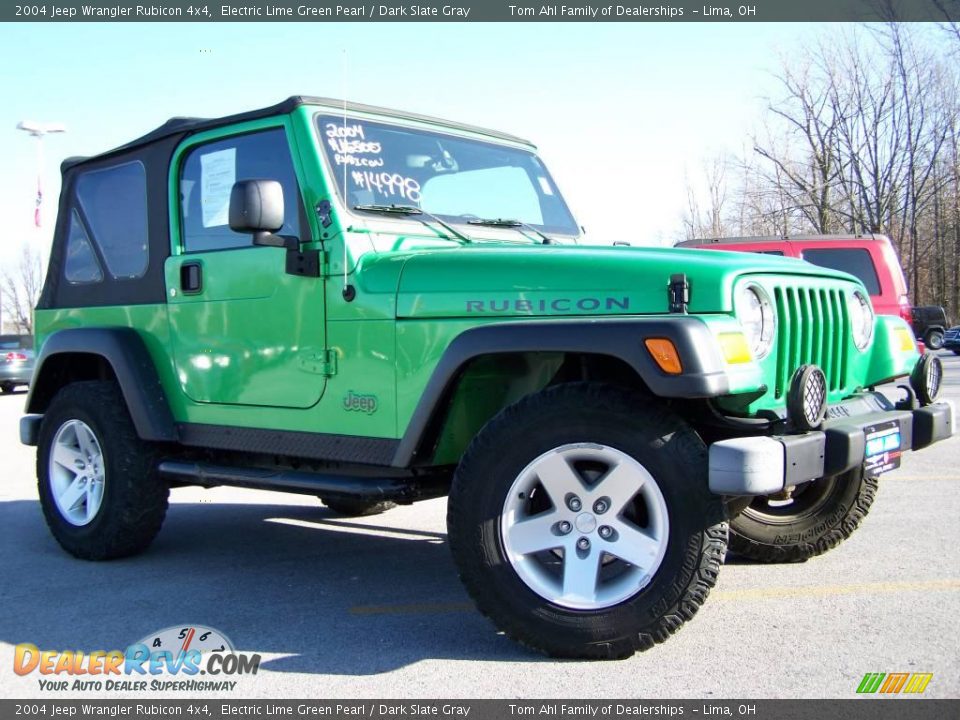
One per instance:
(30, 429)
(931, 424)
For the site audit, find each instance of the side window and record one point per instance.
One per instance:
(207, 177)
(114, 203)
(81, 265)
(856, 261)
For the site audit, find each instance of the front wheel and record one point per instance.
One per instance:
(581, 522)
(811, 519)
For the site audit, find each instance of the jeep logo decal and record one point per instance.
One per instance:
(558, 305)
(355, 402)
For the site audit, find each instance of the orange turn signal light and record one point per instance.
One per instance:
(665, 354)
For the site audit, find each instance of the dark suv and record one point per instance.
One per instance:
(930, 324)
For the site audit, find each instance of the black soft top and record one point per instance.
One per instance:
(188, 125)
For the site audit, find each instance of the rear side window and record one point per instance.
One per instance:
(856, 261)
(778, 253)
(207, 177)
(81, 264)
(114, 204)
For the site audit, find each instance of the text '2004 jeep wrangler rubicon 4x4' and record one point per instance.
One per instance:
(376, 307)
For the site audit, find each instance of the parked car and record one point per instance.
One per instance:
(16, 361)
(870, 258)
(930, 324)
(373, 306)
(951, 339)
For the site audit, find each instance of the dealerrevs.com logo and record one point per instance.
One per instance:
(191, 658)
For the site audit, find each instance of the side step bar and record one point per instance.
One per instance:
(399, 489)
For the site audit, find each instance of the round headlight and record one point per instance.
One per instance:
(756, 316)
(861, 319)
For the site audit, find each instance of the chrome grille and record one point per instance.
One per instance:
(812, 329)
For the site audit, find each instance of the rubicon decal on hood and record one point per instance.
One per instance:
(558, 305)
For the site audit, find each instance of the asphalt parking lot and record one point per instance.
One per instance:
(372, 608)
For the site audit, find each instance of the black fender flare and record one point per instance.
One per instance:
(124, 350)
(703, 376)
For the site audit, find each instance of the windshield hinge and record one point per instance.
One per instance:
(324, 212)
(678, 293)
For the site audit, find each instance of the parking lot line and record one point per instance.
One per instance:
(946, 584)
(827, 590)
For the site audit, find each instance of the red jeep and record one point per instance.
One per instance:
(871, 258)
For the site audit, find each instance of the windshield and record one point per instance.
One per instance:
(453, 178)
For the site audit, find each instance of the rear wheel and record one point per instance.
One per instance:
(581, 522)
(7, 388)
(934, 339)
(99, 488)
(815, 517)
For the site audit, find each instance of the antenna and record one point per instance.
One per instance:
(349, 293)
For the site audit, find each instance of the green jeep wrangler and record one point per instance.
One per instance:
(375, 307)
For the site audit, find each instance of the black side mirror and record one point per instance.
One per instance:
(256, 206)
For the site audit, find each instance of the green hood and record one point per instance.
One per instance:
(476, 281)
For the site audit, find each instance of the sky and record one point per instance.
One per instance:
(623, 113)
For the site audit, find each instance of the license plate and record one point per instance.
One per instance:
(882, 447)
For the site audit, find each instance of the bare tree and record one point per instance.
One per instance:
(708, 221)
(808, 175)
(864, 138)
(20, 286)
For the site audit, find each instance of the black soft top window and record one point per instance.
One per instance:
(114, 202)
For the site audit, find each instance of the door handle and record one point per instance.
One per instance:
(191, 277)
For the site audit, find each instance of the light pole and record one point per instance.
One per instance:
(39, 130)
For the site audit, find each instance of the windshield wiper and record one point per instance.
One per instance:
(516, 224)
(413, 210)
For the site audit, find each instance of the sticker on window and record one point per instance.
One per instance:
(545, 185)
(218, 173)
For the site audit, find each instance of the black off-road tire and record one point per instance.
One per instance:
(349, 507)
(829, 516)
(933, 339)
(134, 496)
(632, 423)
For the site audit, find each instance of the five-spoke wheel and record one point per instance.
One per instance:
(76, 472)
(585, 526)
(581, 521)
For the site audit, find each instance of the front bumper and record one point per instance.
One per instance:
(761, 465)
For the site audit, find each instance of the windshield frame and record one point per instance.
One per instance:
(489, 233)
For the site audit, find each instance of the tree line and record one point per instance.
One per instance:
(862, 138)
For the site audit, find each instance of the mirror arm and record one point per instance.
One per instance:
(268, 239)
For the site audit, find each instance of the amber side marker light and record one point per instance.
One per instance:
(665, 354)
(906, 339)
(734, 347)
